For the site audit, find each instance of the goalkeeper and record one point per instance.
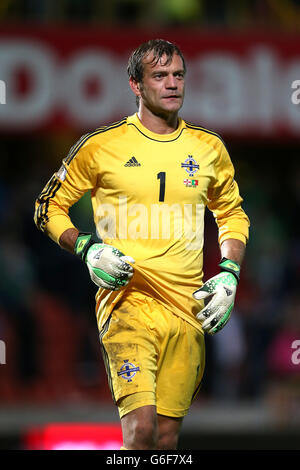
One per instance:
(151, 175)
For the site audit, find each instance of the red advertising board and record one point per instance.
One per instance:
(241, 85)
(74, 436)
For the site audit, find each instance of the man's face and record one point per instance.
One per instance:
(162, 87)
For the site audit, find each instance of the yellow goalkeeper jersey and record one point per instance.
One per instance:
(149, 192)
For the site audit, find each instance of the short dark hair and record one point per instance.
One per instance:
(159, 47)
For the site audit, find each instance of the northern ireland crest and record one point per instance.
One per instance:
(128, 370)
(190, 165)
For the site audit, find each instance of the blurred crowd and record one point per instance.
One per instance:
(231, 14)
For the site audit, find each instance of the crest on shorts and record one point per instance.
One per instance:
(128, 370)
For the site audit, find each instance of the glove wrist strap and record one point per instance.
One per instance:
(83, 243)
(231, 267)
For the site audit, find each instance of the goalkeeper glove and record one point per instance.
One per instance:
(222, 287)
(108, 267)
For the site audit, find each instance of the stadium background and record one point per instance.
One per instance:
(64, 66)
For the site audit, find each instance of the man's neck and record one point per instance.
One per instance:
(158, 123)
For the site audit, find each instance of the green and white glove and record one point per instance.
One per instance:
(108, 267)
(222, 288)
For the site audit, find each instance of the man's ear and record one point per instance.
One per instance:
(135, 86)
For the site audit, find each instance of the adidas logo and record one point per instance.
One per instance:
(132, 162)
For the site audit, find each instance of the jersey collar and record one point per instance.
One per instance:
(134, 121)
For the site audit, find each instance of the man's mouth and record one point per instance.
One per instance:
(170, 97)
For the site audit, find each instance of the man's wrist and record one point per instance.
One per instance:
(83, 243)
(230, 266)
(68, 239)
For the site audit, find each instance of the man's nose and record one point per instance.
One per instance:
(171, 82)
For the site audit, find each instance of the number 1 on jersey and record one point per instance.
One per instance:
(162, 187)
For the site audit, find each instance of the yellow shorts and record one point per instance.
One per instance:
(146, 348)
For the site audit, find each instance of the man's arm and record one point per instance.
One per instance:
(108, 267)
(233, 224)
(68, 239)
(234, 250)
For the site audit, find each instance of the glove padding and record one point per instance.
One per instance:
(108, 266)
(217, 312)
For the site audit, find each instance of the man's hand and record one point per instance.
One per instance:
(222, 289)
(108, 267)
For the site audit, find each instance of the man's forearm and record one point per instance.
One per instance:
(68, 239)
(233, 249)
